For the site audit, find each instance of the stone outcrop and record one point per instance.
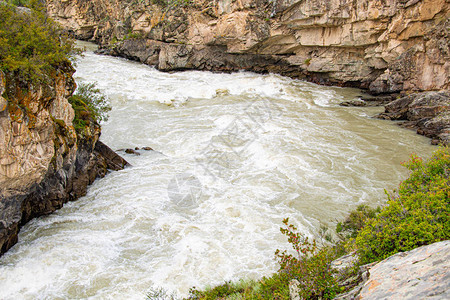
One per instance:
(429, 112)
(385, 46)
(421, 273)
(43, 162)
(388, 47)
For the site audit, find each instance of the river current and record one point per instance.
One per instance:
(234, 155)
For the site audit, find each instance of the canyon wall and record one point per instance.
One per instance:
(43, 161)
(385, 46)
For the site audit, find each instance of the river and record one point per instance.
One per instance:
(234, 155)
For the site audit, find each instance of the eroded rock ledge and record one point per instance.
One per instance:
(385, 46)
(43, 163)
(429, 112)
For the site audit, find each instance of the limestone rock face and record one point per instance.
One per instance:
(386, 46)
(421, 273)
(43, 163)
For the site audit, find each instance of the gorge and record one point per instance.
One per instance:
(388, 47)
(385, 46)
(311, 160)
(234, 151)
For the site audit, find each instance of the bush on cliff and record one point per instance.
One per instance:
(89, 105)
(31, 44)
(355, 221)
(418, 215)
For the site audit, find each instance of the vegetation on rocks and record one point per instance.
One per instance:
(90, 105)
(309, 266)
(417, 215)
(31, 44)
(414, 216)
(33, 48)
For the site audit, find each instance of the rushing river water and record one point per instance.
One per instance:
(235, 154)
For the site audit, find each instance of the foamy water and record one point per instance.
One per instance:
(235, 154)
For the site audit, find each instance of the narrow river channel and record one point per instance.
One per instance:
(234, 155)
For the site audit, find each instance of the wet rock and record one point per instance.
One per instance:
(353, 103)
(222, 92)
(428, 112)
(378, 100)
(132, 151)
(113, 161)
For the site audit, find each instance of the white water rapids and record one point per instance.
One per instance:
(236, 153)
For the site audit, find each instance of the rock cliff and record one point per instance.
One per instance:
(397, 46)
(43, 162)
(385, 46)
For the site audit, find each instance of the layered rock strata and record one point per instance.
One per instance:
(385, 46)
(398, 46)
(43, 162)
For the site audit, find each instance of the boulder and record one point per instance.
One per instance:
(428, 112)
(421, 273)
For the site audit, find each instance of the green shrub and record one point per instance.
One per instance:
(89, 105)
(310, 266)
(355, 221)
(418, 215)
(31, 44)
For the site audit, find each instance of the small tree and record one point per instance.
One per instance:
(89, 104)
(310, 266)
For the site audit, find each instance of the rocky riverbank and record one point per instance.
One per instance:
(386, 47)
(44, 163)
(428, 112)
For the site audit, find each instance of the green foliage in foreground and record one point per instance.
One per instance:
(418, 215)
(310, 266)
(31, 44)
(356, 220)
(89, 105)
